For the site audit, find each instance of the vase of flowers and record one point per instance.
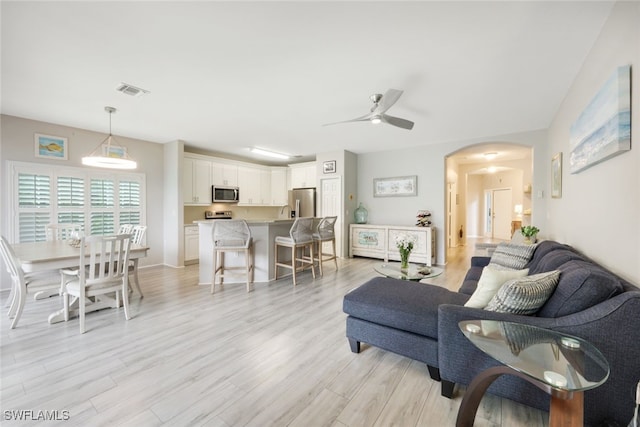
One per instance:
(405, 243)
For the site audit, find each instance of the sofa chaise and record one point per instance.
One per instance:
(420, 321)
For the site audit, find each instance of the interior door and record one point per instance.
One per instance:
(502, 214)
(331, 206)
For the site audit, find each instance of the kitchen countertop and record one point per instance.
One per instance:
(256, 221)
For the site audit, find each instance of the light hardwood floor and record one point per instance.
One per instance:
(277, 356)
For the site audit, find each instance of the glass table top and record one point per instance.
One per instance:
(560, 361)
(414, 272)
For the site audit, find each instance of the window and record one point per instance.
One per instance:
(96, 200)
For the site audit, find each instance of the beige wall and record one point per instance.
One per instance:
(599, 210)
(17, 144)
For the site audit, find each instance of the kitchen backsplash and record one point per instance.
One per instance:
(196, 213)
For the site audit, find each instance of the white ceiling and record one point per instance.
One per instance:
(224, 76)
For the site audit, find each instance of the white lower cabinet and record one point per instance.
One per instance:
(379, 241)
(191, 244)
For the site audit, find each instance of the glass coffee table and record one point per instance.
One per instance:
(415, 272)
(562, 365)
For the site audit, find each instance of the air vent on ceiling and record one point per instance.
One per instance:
(131, 90)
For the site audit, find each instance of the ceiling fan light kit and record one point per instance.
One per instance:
(381, 103)
(104, 157)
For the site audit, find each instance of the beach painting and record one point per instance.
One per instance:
(51, 147)
(603, 129)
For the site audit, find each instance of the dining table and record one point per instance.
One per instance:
(60, 254)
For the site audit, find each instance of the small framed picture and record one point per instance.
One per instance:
(329, 167)
(114, 151)
(556, 176)
(51, 147)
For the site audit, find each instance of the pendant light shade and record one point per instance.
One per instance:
(109, 155)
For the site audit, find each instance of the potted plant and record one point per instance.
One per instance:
(529, 232)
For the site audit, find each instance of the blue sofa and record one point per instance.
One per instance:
(420, 321)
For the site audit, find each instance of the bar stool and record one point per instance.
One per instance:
(231, 236)
(300, 238)
(325, 233)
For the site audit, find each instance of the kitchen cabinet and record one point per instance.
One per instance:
(279, 193)
(191, 244)
(379, 241)
(225, 174)
(255, 186)
(196, 181)
(303, 175)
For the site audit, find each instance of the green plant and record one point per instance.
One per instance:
(529, 230)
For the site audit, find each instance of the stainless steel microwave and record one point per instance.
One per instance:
(222, 194)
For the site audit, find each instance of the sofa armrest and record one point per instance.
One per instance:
(480, 261)
(610, 326)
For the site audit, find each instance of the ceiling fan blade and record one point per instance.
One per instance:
(396, 121)
(388, 99)
(364, 118)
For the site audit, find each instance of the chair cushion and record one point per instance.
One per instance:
(524, 295)
(513, 256)
(490, 281)
(400, 304)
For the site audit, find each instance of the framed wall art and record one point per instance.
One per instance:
(329, 167)
(115, 151)
(556, 176)
(400, 186)
(603, 129)
(51, 147)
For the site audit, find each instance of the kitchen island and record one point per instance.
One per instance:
(264, 233)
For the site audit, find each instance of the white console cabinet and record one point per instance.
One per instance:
(379, 241)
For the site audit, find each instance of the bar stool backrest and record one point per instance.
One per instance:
(302, 230)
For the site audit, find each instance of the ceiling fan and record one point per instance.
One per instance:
(381, 103)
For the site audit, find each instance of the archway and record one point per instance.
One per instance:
(473, 171)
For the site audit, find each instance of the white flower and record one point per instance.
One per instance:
(405, 241)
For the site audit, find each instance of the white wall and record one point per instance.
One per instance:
(17, 144)
(428, 163)
(599, 212)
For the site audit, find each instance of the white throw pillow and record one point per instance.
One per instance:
(490, 282)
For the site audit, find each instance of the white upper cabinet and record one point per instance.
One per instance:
(255, 185)
(196, 181)
(279, 193)
(225, 174)
(303, 175)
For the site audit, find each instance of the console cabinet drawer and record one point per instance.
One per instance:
(379, 241)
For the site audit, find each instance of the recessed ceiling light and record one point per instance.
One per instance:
(490, 156)
(491, 169)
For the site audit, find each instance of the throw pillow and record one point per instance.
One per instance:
(511, 255)
(525, 295)
(490, 281)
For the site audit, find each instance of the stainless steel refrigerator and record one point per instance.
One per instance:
(302, 202)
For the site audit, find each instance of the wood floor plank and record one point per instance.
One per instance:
(276, 356)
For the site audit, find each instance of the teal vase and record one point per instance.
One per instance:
(361, 215)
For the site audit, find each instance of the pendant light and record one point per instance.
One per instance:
(108, 155)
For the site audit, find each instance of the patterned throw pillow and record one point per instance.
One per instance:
(525, 295)
(512, 256)
(490, 281)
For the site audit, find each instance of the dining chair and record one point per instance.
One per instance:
(300, 238)
(137, 238)
(231, 236)
(53, 232)
(325, 233)
(61, 231)
(106, 272)
(125, 228)
(21, 281)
